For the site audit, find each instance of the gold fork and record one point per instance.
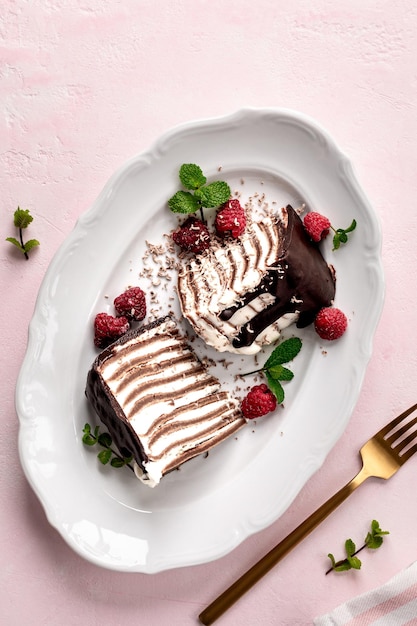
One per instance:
(382, 456)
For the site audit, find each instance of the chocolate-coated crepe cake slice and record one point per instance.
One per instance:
(158, 401)
(240, 293)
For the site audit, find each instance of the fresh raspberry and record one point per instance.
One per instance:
(230, 219)
(259, 401)
(330, 323)
(192, 236)
(108, 328)
(131, 304)
(317, 225)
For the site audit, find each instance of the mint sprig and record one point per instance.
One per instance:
(22, 218)
(373, 540)
(341, 235)
(274, 370)
(199, 194)
(108, 454)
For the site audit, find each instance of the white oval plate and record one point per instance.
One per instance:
(212, 504)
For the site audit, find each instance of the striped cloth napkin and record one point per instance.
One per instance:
(392, 604)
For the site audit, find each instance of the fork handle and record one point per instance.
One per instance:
(267, 562)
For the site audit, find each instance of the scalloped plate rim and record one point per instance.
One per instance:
(81, 230)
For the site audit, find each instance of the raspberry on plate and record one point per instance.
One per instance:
(192, 236)
(330, 323)
(317, 225)
(230, 219)
(131, 304)
(108, 328)
(259, 401)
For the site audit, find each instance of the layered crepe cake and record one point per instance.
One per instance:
(158, 401)
(240, 293)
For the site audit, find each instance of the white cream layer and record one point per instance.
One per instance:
(174, 406)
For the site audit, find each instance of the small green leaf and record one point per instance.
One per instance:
(105, 440)
(373, 542)
(376, 529)
(279, 372)
(16, 243)
(87, 428)
(354, 562)
(183, 202)
(22, 218)
(191, 176)
(215, 193)
(104, 456)
(117, 462)
(32, 243)
(374, 538)
(349, 547)
(351, 227)
(342, 236)
(276, 388)
(89, 440)
(343, 566)
(284, 352)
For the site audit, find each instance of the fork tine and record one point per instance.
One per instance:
(384, 431)
(407, 455)
(401, 445)
(400, 431)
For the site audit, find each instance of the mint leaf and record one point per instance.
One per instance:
(284, 352)
(276, 387)
(32, 243)
(117, 462)
(332, 559)
(342, 566)
(204, 195)
(279, 372)
(273, 369)
(89, 440)
(108, 454)
(22, 218)
(215, 193)
(191, 176)
(341, 235)
(15, 242)
(354, 562)
(104, 456)
(373, 542)
(183, 202)
(374, 538)
(105, 440)
(350, 547)
(351, 227)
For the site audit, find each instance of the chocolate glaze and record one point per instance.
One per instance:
(300, 281)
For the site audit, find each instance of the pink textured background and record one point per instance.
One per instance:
(87, 84)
